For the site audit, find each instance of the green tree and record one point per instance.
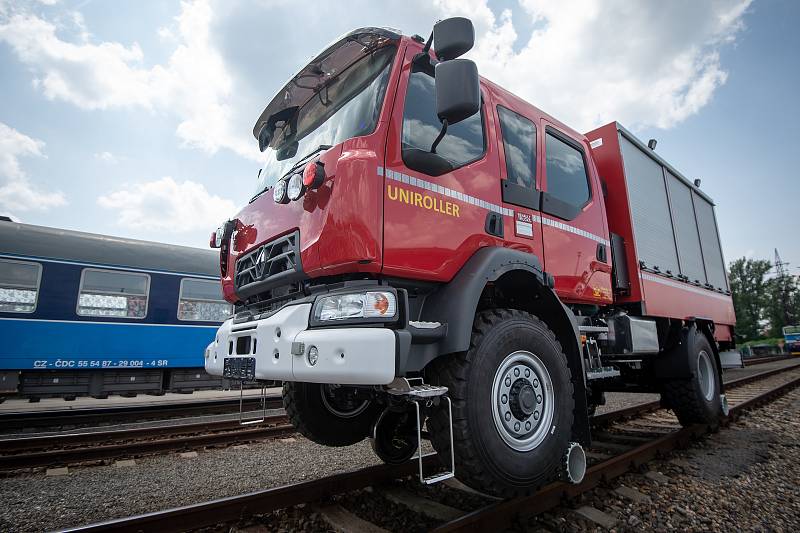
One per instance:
(783, 304)
(750, 295)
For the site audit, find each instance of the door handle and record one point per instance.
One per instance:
(494, 224)
(602, 254)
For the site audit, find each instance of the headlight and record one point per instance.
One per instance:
(279, 192)
(295, 187)
(219, 235)
(366, 305)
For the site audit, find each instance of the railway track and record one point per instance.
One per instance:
(99, 416)
(623, 440)
(80, 448)
(761, 360)
(97, 446)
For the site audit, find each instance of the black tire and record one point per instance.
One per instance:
(314, 419)
(483, 458)
(688, 398)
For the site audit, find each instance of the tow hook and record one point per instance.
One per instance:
(574, 463)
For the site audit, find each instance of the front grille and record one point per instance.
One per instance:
(270, 265)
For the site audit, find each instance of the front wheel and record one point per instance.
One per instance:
(512, 404)
(329, 415)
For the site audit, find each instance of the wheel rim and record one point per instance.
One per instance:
(342, 408)
(523, 401)
(705, 373)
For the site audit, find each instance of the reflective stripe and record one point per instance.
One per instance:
(460, 196)
(685, 286)
(577, 231)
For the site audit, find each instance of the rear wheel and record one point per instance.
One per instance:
(512, 404)
(329, 415)
(696, 400)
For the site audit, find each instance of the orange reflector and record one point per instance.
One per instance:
(381, 304)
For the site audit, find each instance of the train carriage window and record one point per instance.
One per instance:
(19, 286)
(112, 293)
(201, 300)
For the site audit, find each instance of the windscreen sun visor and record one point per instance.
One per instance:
(315, 75)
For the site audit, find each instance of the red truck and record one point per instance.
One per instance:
(425, 249)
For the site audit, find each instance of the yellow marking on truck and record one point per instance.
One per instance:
(422, 200)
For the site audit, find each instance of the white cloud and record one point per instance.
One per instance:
(17, 194)
(584, 62)
(106, 157)
(166, 205)
(193, 84)
(587, 62)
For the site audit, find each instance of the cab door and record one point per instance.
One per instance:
(575, 233)
(436, 206)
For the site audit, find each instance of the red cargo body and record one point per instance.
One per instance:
(672, 245)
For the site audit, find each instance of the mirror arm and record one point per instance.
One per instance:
(428, 43)
(440, 136)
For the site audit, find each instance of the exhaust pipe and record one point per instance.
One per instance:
(574, 463)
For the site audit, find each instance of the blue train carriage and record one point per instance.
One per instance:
(92, 315)
(791, 339)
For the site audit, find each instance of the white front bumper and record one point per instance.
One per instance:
(348, 356)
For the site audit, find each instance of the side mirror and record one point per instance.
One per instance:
(458, 90)
(264, 137)
(453, 37)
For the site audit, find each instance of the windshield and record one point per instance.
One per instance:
(346, 106)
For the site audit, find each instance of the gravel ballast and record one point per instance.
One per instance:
(745, 477)
(90, 494)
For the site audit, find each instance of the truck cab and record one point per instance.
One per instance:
(424, 245)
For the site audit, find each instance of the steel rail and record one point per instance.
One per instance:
(640, 408)
(503, 514)
(492, 517)
(760, 360)
(277, 426)
(258, 502)
(117, 414)
(64, 440)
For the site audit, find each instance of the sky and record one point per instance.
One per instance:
(134, 118)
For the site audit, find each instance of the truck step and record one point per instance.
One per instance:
(593, 329)
(420, 391)
(603, 372)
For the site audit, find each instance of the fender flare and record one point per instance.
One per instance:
(674, 364)
(456, 303)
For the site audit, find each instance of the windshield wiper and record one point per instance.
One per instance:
(315, 151)
(297, 165)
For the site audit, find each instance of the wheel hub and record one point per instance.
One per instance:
(522, 399)
(522, 394)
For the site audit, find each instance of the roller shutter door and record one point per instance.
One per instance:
(686, 234)
(709, 240)
(652, 227)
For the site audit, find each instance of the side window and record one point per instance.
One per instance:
(463, 143)
(566, 172)
(111, 293)
(19, 286)
(519, 144)
(202, 300)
